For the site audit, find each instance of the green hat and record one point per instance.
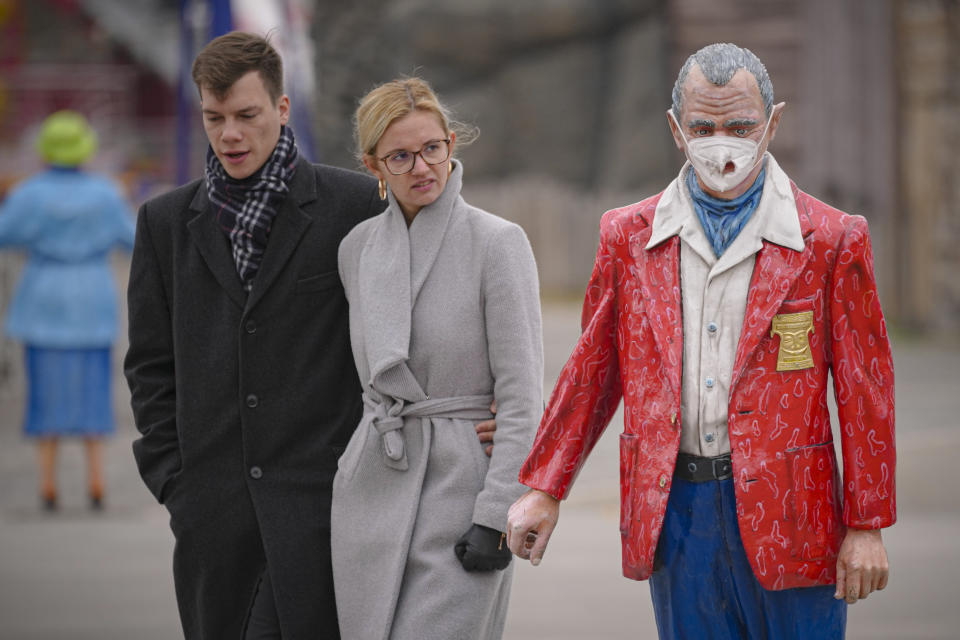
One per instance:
(66, 140)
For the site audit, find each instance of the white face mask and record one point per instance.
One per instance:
(710, 155)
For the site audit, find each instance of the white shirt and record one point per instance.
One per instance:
(714, 297)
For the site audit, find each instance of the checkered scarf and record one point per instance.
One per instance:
(245, 208)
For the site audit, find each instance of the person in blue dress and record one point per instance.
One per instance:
(64, 309)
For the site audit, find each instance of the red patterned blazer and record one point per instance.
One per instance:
(791, 508)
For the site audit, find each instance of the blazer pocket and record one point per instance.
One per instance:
(318, 283)
(629, 443)
(795, 325)
(815, 501)
(796, 306)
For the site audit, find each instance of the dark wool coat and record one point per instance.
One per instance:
(244, 402)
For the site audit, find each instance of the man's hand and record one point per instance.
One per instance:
(486, 429)
(861, 565)
(530, 522)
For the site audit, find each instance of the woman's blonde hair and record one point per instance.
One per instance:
(396, 99)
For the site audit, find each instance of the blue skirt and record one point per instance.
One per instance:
(68, 392)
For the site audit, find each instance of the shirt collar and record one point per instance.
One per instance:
(777, 210)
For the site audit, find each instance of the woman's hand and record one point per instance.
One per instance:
(482, 549)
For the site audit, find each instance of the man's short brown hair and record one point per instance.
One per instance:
(233, 55)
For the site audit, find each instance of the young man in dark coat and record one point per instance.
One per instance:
(242, 380)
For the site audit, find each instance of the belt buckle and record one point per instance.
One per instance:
(722, 468)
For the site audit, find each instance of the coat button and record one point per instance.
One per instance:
(256, 473)
(252, 401)
(663, 481)
(673, 418)
(250, 327)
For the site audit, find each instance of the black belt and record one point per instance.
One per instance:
(698, 469)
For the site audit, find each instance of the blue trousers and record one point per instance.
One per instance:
(704, 589)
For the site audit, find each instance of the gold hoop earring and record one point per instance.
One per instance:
(450, 168)
(383, 190)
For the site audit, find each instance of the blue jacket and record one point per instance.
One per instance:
(67, 221)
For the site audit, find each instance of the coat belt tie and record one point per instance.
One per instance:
(387, 419)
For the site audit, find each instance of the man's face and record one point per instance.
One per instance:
(735, 109)
(243, 126)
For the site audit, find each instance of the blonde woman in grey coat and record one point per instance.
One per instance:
(444, 316)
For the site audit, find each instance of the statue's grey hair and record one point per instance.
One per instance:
(719, 62)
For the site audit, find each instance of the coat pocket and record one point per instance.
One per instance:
(350, 460)
(471, 442)
(629, 443)
(318, 283)
(815, 501)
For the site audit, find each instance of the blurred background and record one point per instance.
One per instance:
(570, 98)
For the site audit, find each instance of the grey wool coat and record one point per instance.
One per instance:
(444, 316)
(245, 402)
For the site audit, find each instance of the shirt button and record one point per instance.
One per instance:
(708, 437)
(252, 401)
(712, 327)
(709, 382)
(256, 473)
(251, 326)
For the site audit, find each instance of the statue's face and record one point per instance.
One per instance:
(735, 110)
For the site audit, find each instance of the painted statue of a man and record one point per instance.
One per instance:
(716, 310)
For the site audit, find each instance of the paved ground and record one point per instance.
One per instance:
(104, 577)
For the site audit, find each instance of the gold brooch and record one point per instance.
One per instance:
(794, 330)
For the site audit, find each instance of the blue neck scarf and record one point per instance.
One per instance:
(722, 220)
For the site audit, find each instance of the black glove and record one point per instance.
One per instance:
(482, 549)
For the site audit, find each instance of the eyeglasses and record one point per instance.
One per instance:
(433, 152)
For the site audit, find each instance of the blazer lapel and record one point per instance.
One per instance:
(773, 275)
(289, 225)
(658, 270)
(214, 247)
